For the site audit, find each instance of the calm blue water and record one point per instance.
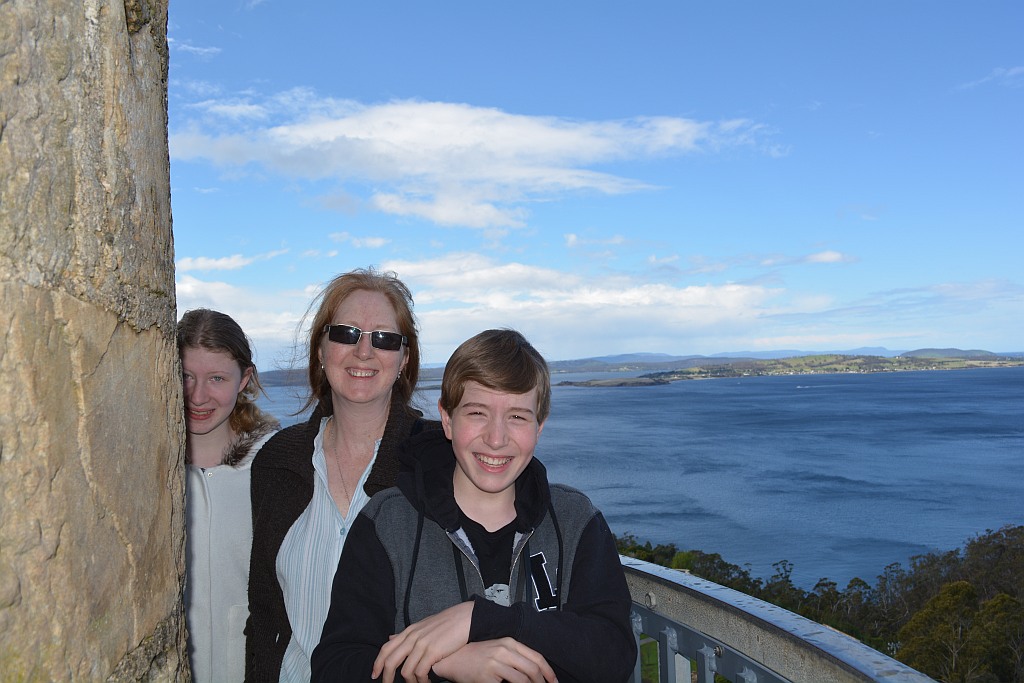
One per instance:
(839, 474)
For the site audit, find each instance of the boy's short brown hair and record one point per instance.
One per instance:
(500, 360)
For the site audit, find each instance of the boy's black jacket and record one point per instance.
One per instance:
(406, 558)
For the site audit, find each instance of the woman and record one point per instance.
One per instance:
(310, 481)
(224, 430)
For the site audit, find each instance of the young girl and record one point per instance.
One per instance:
(224, 430)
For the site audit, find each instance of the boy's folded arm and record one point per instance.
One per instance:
(503, 659)
(591, 637)
(356, 629)
(419, 646)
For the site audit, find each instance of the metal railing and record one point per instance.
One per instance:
(709, 629)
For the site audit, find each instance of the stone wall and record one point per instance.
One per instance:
(91, 434)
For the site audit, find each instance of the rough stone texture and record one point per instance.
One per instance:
(91, 434)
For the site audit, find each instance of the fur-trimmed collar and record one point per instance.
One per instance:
(244, 442)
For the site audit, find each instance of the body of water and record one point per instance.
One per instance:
(840, 475)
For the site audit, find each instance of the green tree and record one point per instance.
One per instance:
(999, 635)
(825, 600)
(938, 639)
(957, 614)
(854, 612)
(712, 567)
(995, 562)
(780, 589)
(660, 554)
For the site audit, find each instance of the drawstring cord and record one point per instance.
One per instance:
(561, 553)
(412, 569)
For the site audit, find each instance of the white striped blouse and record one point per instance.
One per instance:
(307, 561)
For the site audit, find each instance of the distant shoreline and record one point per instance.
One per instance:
(702, 367)
(617, 382)
(803, 365)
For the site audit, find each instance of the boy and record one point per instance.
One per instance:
(483, 570)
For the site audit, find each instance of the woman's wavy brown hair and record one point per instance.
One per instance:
(327, 302)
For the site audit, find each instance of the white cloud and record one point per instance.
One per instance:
(573, 240)
(235, 262)
(569, 315)
(828, 256)
(449, 211)
(1012, 77)
(201, 52)
(447, 163)
(271, 319)
(656, 260)
(700, 265)
(359, 242)
(576, 315)
(235, 110)
(204, 263)
(195, 87)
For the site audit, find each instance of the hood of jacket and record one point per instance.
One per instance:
(426, 480)
(241, 447)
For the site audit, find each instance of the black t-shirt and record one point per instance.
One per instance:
(494, 552)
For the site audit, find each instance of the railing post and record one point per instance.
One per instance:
(746, 676)
(706, 665)
(668, 646)
(638, 631)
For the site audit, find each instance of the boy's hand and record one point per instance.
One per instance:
(423, 644)
(494, 661)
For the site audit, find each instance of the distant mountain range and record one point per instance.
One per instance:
(661, 362)
(653, 362)
(792, 353)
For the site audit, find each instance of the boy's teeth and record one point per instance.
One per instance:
(493, 462)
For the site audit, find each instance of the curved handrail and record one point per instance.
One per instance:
(743, 638)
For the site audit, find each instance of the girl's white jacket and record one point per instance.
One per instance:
(218, 514)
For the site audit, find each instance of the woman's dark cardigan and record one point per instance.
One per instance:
(282, 487)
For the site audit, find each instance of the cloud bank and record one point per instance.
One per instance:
(450, 164)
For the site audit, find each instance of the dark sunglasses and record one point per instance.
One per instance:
(379, 339)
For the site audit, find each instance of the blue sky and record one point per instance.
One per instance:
(608, 177)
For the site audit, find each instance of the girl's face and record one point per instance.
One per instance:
(212, 381)
(360, 372)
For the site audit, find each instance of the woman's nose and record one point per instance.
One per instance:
(364, 349)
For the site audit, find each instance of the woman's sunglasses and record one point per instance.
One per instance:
(379, 339)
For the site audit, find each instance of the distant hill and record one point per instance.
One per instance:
(625, 362)
(793, 353)
(282, 378)
(638, 358)
(949, 353)
(663, 362)
(925, 359)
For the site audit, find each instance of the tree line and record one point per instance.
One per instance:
(956, 616)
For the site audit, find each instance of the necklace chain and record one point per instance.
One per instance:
(337, 459)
